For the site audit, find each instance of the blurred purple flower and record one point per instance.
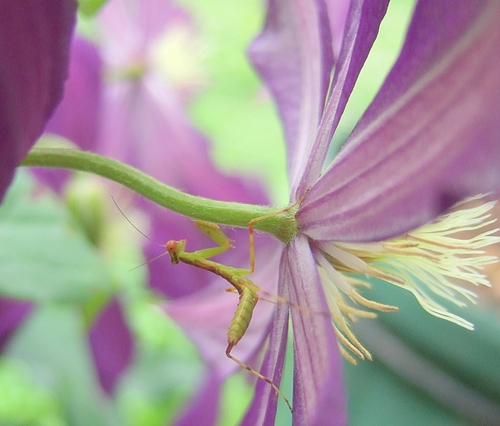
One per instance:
(83, 89)
(430, 138)
(12, 314)
(141, 121)
(144, 124)
(77, 116)
(112, 345)
(34, 45)
(77, 119)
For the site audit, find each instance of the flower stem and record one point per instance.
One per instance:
(282, 224)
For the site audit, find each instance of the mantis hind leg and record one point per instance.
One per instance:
(258, 375)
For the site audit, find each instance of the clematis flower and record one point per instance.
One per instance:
(430, 138)
(34, 48)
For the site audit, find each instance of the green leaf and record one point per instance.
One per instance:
(438, 371)
(53, 344)
(166, 372)
(44, 256)
(378, 397)
(23, 402)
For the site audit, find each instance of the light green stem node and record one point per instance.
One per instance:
(283, 225)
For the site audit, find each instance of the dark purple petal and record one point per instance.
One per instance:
(112, 345)
(77, 116)
(431, 136)
(203, 409)
(294, 57)
(34, 45)
(363, 22)
(262, 410)
(318, 385)
(12, 314)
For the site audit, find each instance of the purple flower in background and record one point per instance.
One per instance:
(141, 121)
(77, 119)
(430, 138)
(144, 124)
(34, 45)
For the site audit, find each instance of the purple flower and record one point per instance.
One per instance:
(34, 46)
(430, 138)
(77, 119)
(144, 124)
(12, 314)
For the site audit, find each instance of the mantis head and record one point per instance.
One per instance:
(175, 248)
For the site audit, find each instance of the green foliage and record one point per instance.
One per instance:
(52, 343)
(90, 7)
(166, 371)
(44, 256)
(22, 401)
(441, 373)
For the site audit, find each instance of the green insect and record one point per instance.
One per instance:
(237, 277)
(247, 290)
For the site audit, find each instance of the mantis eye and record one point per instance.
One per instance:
(172, 246)
(175, 248)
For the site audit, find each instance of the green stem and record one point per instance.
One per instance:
(282, 224)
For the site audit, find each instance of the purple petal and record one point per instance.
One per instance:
(77, 116)
(294, 57)
(337, 11)
(262, 410)
(12, 314)
(131, 26)
(34, 45)
(318, 385)
(112, 345)
(144, 124)
(204, 408)
(363, 23)
(431, 136)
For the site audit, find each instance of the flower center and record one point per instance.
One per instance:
(434, 261)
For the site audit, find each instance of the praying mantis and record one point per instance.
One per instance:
(237, 277)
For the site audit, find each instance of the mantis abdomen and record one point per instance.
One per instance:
(242, 316)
